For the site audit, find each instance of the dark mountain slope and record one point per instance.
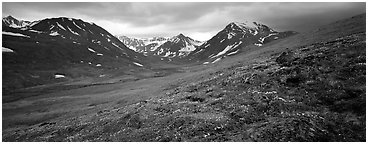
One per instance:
(234, 37)
(57, 45)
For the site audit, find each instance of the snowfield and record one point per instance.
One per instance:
(15, 34)
(91, 50)
(230, 47)
(54, 33)
(138, 64)
(7, 49)
(57, 76)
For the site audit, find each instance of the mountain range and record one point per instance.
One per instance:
(177, 46)
(36, 51)
(13, 22)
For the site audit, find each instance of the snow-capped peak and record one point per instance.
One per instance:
(245, 25)
(182, 37)
(15, 23)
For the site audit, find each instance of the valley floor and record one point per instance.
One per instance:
(312, 92)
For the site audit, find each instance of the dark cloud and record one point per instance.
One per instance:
(203, 18)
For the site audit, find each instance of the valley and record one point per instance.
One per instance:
(247, 86)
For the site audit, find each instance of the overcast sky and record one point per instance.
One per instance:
(198, 20)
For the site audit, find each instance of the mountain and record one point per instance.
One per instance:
(176, 46)
(233, 37)
(58, 45)
(151, 44)
(13, 22)
(142, 44)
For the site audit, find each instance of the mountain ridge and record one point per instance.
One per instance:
(58, 45)
(232, 38)
(179, 45)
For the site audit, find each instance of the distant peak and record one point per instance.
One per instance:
(9, 16)
(243, 25)
(181, 36)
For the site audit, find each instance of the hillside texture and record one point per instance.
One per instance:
(314, 92)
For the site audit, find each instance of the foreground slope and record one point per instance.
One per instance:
(312, 91)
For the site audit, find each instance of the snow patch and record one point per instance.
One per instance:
(160, 51)
(218, 59)
(262, 39)
(256, 44)
(232, 53)
(207, 45)
(230, 35)
(168, 53)
(54, 33)
(98, 65)
(116, 46)
(206, 63)
(76, 42)
(132, 48)
(57, 76)
(255, 32)
(211, 56)
(52, 26)
(176, 40)
(15, 34)
(7, 50)
(230, 47)
(60, 26)
(199, 51)
(33, 23)
(35, 31)
(99, 54)
(138, 64)
(72, 31)
(188, 48)
(91, 50)
(246, 25)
